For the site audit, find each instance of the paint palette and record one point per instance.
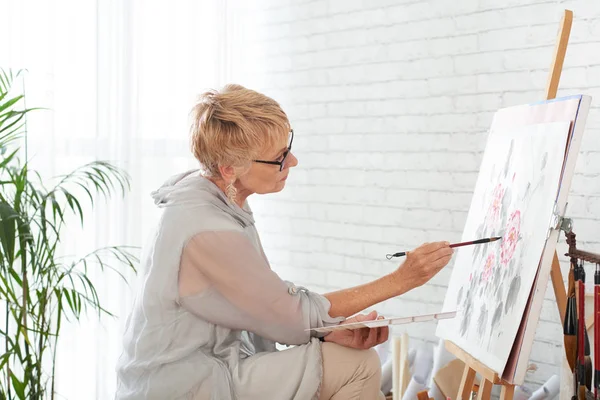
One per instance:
(378, 323)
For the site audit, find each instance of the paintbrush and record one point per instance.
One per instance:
(596, 330)
(478, 241)
(570, 322)
(581, 332)
(588, 363)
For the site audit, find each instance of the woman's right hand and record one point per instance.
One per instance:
(424, 263)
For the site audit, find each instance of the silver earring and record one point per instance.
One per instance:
(231, 191)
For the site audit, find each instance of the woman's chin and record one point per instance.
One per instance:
(278, 187)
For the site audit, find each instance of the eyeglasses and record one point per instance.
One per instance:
(284, 156)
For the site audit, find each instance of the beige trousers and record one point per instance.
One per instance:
(350, 374)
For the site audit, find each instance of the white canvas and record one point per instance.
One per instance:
(514, 197)
(571, 108)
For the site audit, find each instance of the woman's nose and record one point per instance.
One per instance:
(291, 161)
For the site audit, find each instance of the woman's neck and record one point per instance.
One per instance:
(241, 194)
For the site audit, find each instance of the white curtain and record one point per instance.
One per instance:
(118, 78)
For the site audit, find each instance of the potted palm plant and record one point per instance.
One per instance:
(39, 288)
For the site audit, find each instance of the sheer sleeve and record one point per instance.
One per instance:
(240, 291)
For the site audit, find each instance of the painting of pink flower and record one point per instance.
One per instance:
(488, 268)
(511, 236)
(496, 204)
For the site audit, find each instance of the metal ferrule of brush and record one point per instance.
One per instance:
(597, 276)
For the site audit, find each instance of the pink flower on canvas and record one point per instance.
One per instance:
(489, 266)
(496, 205)
(511, 236)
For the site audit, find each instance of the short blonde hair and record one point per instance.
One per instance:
(234, 126)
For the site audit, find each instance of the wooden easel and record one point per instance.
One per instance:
(473, 366)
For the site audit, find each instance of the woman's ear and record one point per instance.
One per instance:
(227, 173)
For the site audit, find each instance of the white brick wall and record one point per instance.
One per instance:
(390, 102)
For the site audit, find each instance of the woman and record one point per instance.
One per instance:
(209, 309)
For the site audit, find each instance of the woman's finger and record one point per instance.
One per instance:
(439, 254)
(380, 334)
(371, 339)
(432, 247)
(360, 336)
(357, 338)
(360, 318)
(380, 331)
(440, 263)
(385, 333)
(444, 252)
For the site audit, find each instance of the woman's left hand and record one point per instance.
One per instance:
(363, 338)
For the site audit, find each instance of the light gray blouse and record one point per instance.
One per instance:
(209, 309)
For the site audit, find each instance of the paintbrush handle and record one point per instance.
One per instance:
(453, 245)
(596, 331)
(478, 241)
(581, 323)
(581, 331)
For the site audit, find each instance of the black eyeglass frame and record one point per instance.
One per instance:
(285, 154)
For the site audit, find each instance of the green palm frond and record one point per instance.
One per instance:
(12, 120)
(40, 288)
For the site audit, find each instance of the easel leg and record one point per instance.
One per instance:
(507, 392)
(559, 287)
(485, 390)
(560, 50)
(466, 383)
